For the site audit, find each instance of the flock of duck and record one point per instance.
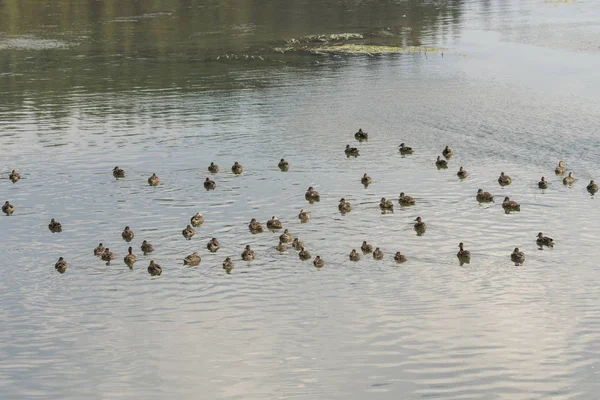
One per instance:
(311, 195)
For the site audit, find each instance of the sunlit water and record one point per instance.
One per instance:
(85, 89)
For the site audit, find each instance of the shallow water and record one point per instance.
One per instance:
(88, 86)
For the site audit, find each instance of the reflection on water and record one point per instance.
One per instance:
(87, 86)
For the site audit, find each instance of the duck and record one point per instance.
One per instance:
(377, 254)
(130, 257)
(154, 269)
(8, 208)
(543, 183)
(366, 180)
(542, 240)
(285, 237)
(405, 200)
(312, 195)
(192, 259)
(560, 169)
(61, 265)
(107, 256)
(274, 223)
(462, 174)
(361, 135)
(567, 180)
(197, 219)
(99, 250)
(405, 149)
(248, 254)
(147, 247)
(281, 246)
(484, 197)
(127, 234)
(419, 224)
(213, 245)
(303, 216)
(351, 151)
(304, 254)
(592, 187)
(213, 168)
(14, 176)
(517, 256)
(237, 168)
(153, 180)
(462, 253)
(344, 206)
(209, 184)
(366, 247)
(54, 226)
(255, 226)
(318, 262)
(504, 180)
(354, 256)
(283, 165)
(399, 257)
(228, 264)
(297, 244)
(386, 205)
(118, 172)
(447, 152)
(441, 163)
(510, 205)
(188, 232)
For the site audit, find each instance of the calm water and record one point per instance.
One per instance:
(87, 85)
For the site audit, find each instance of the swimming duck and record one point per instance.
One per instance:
(543, 183)
(567, 180)
(366, 247)
(510, 205)
(297, 244)
(130, 257)
(192, 259)
(386, 205)
(399, 257)
(54, 226)
(447, 152)
(484, 197)
(441, 163)
(283, 165)
(118, 172)
(366, 180)
(285, 237)
(344, 206)
(351, 151)
(462, 174)
(405, 149)
(377, 254)
(153, 180)
(420, 225)
(127, 234)
(197, 219)
(592, 187)
(237, 168)
(360, 135)
(304, 216)
(318, 262)
(405, 200)
(517, 256)
(560, 169)
(312, 195)
(228, 264)
(8, 208)
(213, 168)
(248, 254)
(188, 232)
(304, 254)
(209, 184)
(61, 265)
(463, 255)
(544, 240)
(154, 269)
(147, 247)
(281, 246)
(14, 176)
(107, 256)
(274, 223)
(99, 250)
(255, 226)
(504, 180)
(354, 256)
(213, 245)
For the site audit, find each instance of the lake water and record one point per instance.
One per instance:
(170, 86)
